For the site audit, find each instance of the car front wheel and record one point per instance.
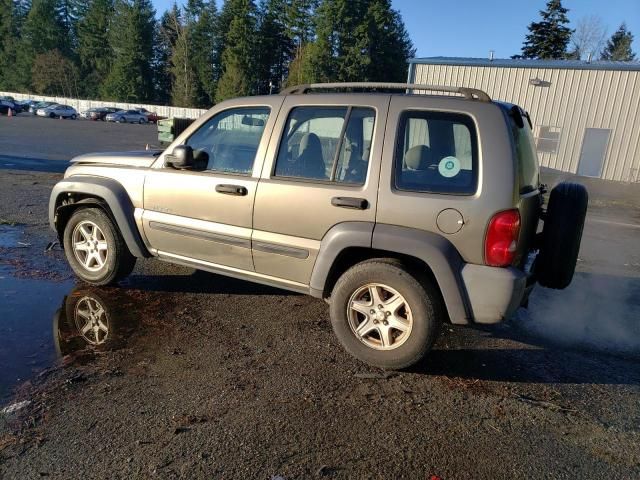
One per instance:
(384, 315)
(95, 248)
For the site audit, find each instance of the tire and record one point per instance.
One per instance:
(561, 235)
(73, 117)
(51, 115)
(141, 121)
(115, 262)
(122, 120)
(421, 321)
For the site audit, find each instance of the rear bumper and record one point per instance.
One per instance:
(494, 294)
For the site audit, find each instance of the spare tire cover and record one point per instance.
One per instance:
(561, 235)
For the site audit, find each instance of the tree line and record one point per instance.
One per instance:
(196, 55)
(551, 38)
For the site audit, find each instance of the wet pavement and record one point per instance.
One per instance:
(27, 309)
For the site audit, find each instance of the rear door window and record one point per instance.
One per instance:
(528, 169)
(327, 144)
(436, 152)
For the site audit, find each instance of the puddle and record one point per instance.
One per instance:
(42, 321)
(27, 307)
(10, 236)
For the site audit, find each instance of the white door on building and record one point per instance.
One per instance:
(594, 149)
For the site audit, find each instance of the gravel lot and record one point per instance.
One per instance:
(210, 377)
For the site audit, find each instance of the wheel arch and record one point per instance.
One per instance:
(424, 253)
(73, 193)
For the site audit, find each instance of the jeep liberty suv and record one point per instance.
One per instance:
(401, 210)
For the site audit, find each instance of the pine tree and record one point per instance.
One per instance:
(388, 44)
(549, 38)
(183, 91)
(163, 50)
(618, 47)
(94, 52)
(131, 36)
(204, 19)
(238, 58)
(275, 46)
(44, 29)
(8, 43)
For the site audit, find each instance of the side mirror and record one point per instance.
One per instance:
(181, 157)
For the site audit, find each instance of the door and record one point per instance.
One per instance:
(205, 213)
(594, 149)
(322, 169)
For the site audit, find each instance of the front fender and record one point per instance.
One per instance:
(109, 192)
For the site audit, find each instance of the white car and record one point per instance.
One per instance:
(58, 111)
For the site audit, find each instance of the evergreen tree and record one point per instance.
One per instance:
(44, 29)
(203, 17)
(183, 91)
(387, 44)
(275, 46)
(358, 40)
(548, 38)
(94, 52)
(618, 47)
(162, 54)
(238, 58)
(8, 43)
(131, 36)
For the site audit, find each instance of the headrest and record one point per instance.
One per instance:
(310, 140)
(418, 157)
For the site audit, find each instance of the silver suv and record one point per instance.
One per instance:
(401, 210)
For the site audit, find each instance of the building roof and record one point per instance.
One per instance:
(527, 63)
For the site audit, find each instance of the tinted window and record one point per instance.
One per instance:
(528, 171)
(317, 146)
(436, 152)
(229, 141)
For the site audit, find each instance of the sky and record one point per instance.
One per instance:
(471, 28)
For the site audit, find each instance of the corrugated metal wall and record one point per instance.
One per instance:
(568, 102)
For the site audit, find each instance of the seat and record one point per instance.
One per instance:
(310, 162)
(419, 169)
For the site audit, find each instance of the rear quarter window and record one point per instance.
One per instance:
(436, 152)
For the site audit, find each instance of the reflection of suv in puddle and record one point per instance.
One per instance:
(91, 319)
(402, 210)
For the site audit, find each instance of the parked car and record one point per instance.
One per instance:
(101, 113)
(5, 106)
(25, 104)
(58, 111)
(39, 105)
(153, 117)
(402, 211)
(127, 116)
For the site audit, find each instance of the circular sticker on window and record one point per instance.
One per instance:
(449, 167)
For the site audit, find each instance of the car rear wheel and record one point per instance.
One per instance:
(561, 235)
(141, 121)
(95, 248)
(73, 117)
(384, 315)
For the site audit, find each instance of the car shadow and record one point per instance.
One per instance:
(201, 282)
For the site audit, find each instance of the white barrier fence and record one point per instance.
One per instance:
(83, 105)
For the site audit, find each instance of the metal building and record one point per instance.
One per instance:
(586, 115)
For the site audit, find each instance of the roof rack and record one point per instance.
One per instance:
(468, 93)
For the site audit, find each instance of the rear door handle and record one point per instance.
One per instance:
(350, 202)
(238, 190)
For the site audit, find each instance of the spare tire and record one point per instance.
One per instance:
(561, 236)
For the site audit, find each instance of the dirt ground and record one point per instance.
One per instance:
(208, 377)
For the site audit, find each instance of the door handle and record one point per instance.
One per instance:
(350, 202)
(238, 190)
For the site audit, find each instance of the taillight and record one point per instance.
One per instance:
(501, 242)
